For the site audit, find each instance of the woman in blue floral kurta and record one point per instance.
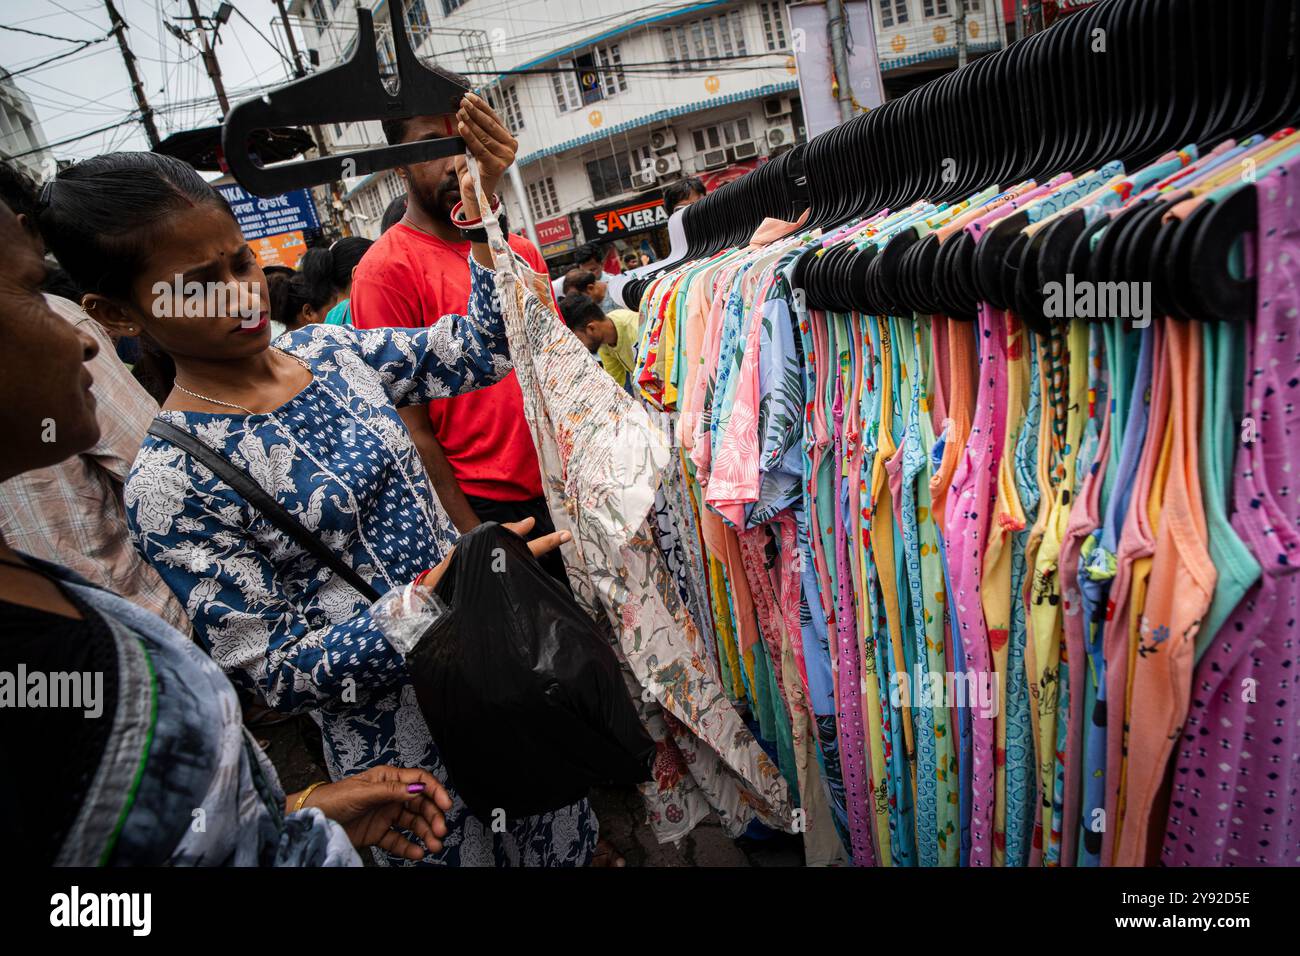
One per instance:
(338, 457)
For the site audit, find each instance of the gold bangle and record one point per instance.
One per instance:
(307, 793)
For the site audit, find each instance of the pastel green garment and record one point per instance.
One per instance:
(1238, 569)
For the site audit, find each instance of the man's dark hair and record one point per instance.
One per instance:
(589, 252)
(580, 310)
(577, 280)
(680, 191)
(395, 129)
(393, 214)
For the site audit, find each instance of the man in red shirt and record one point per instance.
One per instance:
(476, 447)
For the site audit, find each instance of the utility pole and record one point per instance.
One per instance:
(335, 188)
(210, 59)
(300, 70)
(840, 56)
(961, 33)
(146, 112)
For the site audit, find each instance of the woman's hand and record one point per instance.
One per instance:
(371, 805)
(489, 142)
(543, 545)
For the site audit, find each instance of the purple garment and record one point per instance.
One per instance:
(1237, 776)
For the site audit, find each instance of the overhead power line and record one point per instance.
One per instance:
(81, 45)
(47, 36)
(73, 139)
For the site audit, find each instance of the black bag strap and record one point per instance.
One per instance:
(253, 493)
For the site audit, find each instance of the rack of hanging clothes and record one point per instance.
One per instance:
(986, 403)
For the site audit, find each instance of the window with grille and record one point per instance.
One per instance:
(387, 60)
(973, 6)
(589, 77)
(417, 17)
(318, 14)
(542, 199)
(565, 83)
(773, 15)
(505, 100)
(703, 43)
(935, 8)
(721, 134)
(449, 5)
(609, 175)
(893, 13)
(609, 62)
(392, 189)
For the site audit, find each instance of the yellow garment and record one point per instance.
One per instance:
(1045, 607)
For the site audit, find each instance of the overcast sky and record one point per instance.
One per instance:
(91, 90)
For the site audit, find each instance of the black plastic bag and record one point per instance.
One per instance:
(523, 696)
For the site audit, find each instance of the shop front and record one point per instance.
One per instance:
(556, 239)
(635, 228)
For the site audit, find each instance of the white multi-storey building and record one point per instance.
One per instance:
(22, 141)
(610, 105)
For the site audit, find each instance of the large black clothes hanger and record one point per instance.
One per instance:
(1126, 80)
(351, 92)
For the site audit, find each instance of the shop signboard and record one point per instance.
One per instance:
(628, 218)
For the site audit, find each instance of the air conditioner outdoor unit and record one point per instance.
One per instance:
(713, 158)
(746, 150)
(644, 178)
(663, 139)
(667, 164)
(776, 107)
(782, 135)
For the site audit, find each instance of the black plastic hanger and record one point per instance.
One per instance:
(1218, 293)
(348, 93)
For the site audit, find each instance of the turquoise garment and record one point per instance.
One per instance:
(341, 314)
(913, 609)
(1238, 569)
(812, 620)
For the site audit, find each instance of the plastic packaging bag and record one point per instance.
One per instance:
(523, 696)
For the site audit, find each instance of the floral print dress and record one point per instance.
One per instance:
(281, 625)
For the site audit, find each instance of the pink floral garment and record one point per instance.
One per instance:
(734, 479)
(969, 505)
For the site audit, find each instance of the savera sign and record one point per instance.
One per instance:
(625, 219)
